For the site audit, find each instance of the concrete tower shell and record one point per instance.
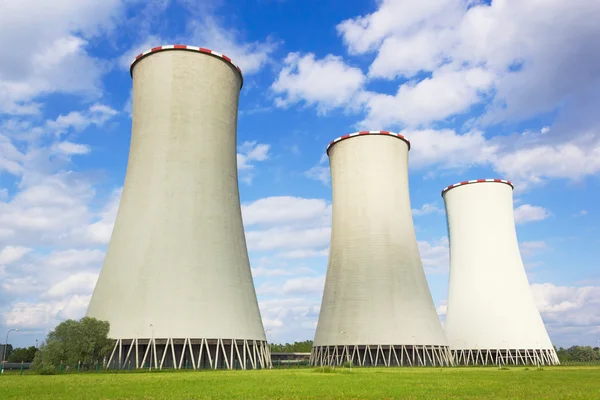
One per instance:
(377, 308)
(491, 314)
(176, 284)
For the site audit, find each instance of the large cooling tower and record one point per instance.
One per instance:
(176, 285)
(491, 315)
(376, 307)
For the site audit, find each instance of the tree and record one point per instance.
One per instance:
(71, 342)
(22, 354)
(296, 347)
(583, 353)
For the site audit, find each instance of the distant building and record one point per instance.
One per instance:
(289, 357)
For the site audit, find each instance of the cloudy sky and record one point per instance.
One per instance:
(508, 89)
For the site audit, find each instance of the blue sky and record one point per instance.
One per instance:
(482, 89)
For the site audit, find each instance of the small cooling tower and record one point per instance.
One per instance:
(176, 285)
(491, 315)
(376, 307)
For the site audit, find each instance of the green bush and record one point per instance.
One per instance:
(46, 370)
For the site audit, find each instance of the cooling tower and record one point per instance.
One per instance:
(491, 315)
(376, 307)
(176, 284)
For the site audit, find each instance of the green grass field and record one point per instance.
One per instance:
(365, 383)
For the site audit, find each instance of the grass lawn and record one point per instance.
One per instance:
(364, 383)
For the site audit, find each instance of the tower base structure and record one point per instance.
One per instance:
(177, 353)
(382, 356)
(505, 357)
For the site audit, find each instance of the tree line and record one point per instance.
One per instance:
(85, 343)
(579, 354)
(296, 347)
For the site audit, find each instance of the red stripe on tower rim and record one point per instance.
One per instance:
(188, 48)
(361, 133)
(463, 183)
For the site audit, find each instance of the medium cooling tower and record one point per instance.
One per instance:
(491, 315)
(176, 285)
(376, 308)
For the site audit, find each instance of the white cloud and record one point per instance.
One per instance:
(47, 314)
(70, 148)
(426, 209)
(149, 42)
(297, 228)
(250, 56)
(522, 158)
(251, 151)
(248, 154)
(43, 209)
(44, 46)
(532, 247)
(398, 57)
(11, 158)
(495, 33)
(397, 18)
(40, 272)
(298, 254)
(442, 308)
(449, 91)
(49, 214)
(569, 160)
(269, 273)
(581, 213)
(48, 288)
(409, 38)
(528, 213)
(435, 256)
(282, 238)
(294, 286)
(100, 231)
(72, 259)
(327, 83)
(10, 254)
(80, 283)
(289, 319)
(448, 149)
(282, 210)
(570, 313)
(97, 115)
(320, 172)
(207, 31)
